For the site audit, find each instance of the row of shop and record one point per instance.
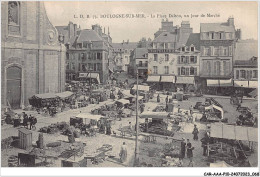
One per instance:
(192, 83)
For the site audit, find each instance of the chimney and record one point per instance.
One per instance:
(75, 29)
(238, 34)
(104, 30)
(231, 21)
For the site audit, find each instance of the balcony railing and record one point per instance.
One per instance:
(142, 65)
(161, 50)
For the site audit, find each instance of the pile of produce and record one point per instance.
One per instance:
(55, 128)
(159, 128)
(159, 109)
(171, 150)
(13, 161)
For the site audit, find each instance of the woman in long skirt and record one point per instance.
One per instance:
(123, 153)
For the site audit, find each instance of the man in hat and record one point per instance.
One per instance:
(195, 133)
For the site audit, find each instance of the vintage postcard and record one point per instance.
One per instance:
(130, 84)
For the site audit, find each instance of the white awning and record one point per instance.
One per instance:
(226, 83)
(142, 87)
(170, 79)
(233, 132)
(185, 80)
(241, 84)
(253, 84)
(212, 83)
(88, 116)
(153, 79)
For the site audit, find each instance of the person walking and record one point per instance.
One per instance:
(123, 153)
(158, 98)
(167, 100)
(205, 141)
(183, 149)
(191, 110)
(195, 133)
(190, 153)
(30, 121)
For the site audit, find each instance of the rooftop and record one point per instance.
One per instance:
(194, 39)
(207, 27)
(165, 37)
(88, 35)
(141, 52)
(246, 49)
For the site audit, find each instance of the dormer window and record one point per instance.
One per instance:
(192, 49)
(183, 49)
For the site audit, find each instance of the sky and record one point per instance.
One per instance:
(133, 29)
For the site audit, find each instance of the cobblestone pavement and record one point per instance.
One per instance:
(93, 143)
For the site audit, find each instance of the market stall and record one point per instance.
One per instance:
(45, 99)
(231, 143)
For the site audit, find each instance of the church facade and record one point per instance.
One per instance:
(33, 60)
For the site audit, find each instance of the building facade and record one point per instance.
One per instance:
(121, 54)
(163, 55)
(33, 60)
(89, 52)
(139, 62)
(217, 41)
(246, 65)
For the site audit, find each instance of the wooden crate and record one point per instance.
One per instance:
(25, 138)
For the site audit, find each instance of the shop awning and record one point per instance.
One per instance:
(253, 84)
(185, 80)
(212, 83)
(241, 84)
(217, 108)
(170, 79)
(90, 75)
(142, 87)
(233, 132)
(219, 83)
(123, 101)
(226, 83)
(153, 79)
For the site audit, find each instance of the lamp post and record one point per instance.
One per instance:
(136, 161)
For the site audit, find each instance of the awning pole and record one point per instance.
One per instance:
(136, 162)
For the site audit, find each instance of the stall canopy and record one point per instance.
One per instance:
(185, 80)
(217, 108)
(45, 96)
(253, 93)
(219, 83)
(153, 79)
(155, 115)
(123, 101)
(233, 132)
(142, 87)
(64, 95)
(170, 79)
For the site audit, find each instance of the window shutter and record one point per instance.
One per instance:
(195, 71)
(179, 59)
(195, 59)
(230, 51)
(211, 51)
(187, 59)
(187, 71)
(221, 51)
(179, 71)
(202, 50)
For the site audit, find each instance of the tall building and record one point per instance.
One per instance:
(121, 54)
(139, 61)
(217, 42)
(246, 65)
(88, 55)
(33, 60)
(164, 53)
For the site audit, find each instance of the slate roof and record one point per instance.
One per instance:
(206, 27)
(194, 39)
(125, 45)
(141, 52)
(165, 37)
(88, 35)
(250, 62)
(246, 49)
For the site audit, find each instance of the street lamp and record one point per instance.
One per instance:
(136, 160)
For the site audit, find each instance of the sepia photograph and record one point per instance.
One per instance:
(130, 84)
